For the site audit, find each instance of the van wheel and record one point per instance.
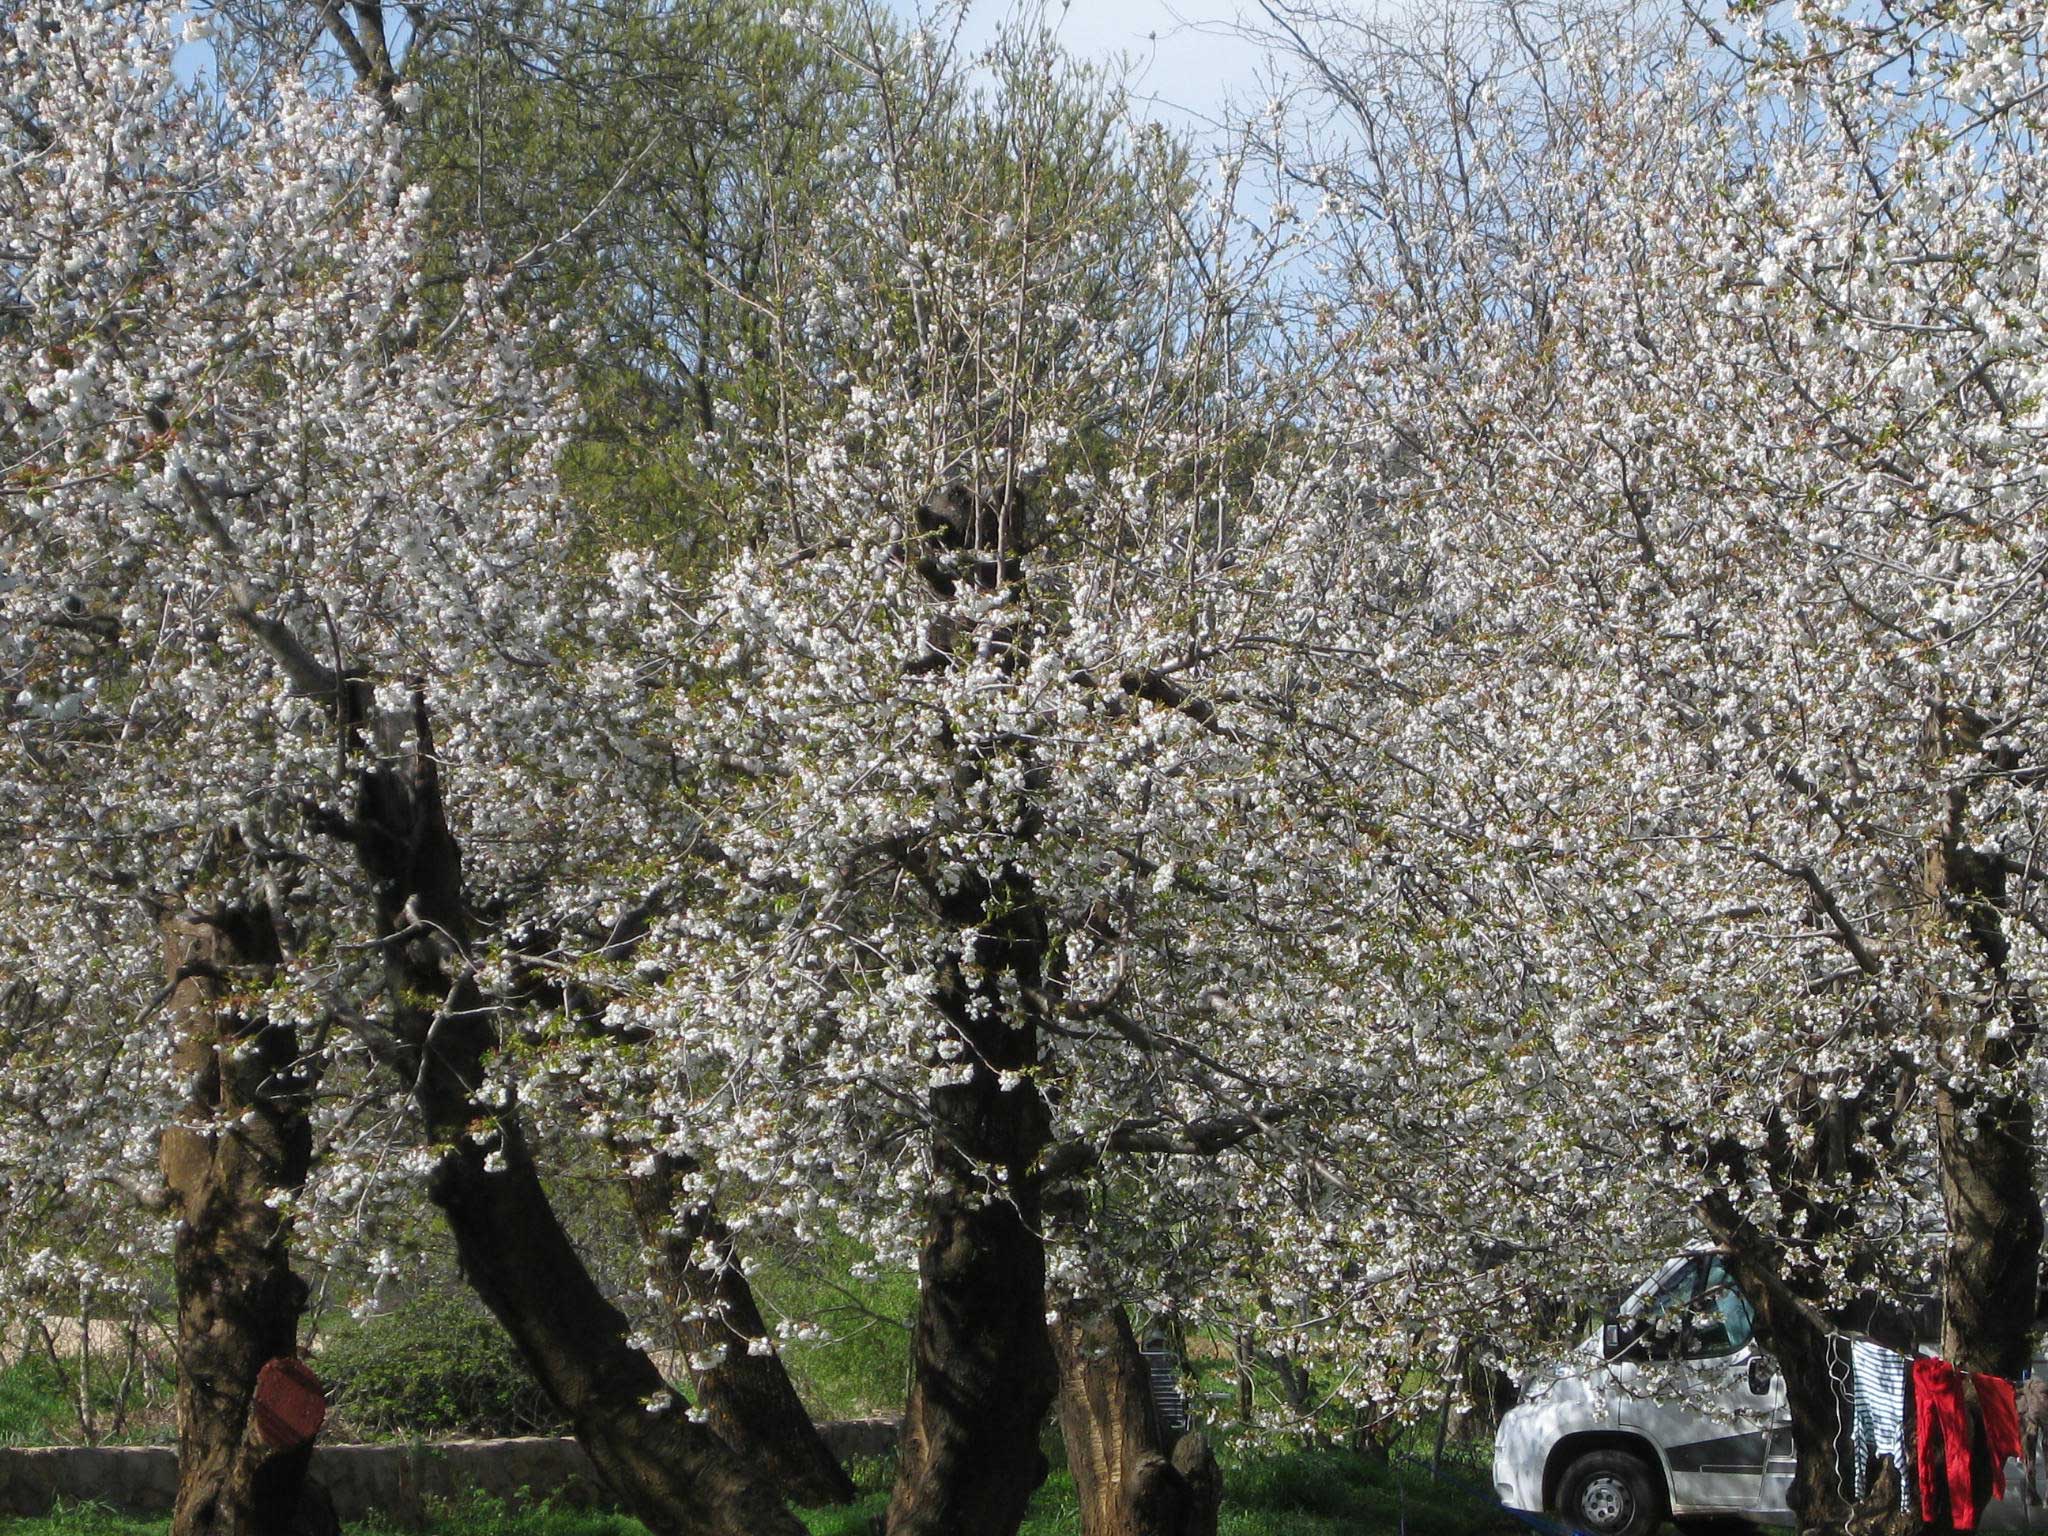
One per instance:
(1610, 1493)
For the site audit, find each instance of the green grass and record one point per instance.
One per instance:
(482, 1515)
(34, 1408)
(1325, 1493)
(859, 1365)
(37, 1404)
(1266, 1493)
(84, 1520)
(1281, 1493)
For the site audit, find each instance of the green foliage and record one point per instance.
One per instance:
(34, 1403)
(641, 154)
(38, 1403)
(437, 1366)
(859, 1364)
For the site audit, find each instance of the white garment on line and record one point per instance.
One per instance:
(1877, 1392)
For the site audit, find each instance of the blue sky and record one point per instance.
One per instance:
(1185, 60)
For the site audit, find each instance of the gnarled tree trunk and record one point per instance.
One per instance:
(982, 1374)
(1126, 1475)
(982, 1369)
(244, 1139)
(1984, 1137)
(1798, 1338)
(746, 1396)
(675, 1475)
(1992, 1274)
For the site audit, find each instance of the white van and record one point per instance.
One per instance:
(1670, 1410)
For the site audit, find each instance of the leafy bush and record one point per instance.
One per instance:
(38, 1402)
(437, 1366)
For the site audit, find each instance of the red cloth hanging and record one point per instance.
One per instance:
(2001, 1425)
(1941, 1416)
(1939, 1419)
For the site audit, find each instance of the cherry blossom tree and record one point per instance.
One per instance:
(985, 737)
(284, 557)
(1711, 409)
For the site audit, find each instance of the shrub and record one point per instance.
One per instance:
(436, 1366)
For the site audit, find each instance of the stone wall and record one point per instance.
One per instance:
(397, 1482)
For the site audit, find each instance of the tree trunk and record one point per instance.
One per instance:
(1195, 1461)
(982, 1373)
(1992, 1272)
(746, 1396)
(1798, 1340)
(1985, 1139)
(982, 1368)
(675, 1475)
(1125, 1476)
(245, 1138)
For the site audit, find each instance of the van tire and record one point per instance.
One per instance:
(1610, 1493)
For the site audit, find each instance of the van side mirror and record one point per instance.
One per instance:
(1760, 1373)
(1621, 1336)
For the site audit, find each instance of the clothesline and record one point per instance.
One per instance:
(1964, 1426)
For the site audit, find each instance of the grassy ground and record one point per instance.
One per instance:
(1267, 1492)
(1283, 1493)
(37, 1406)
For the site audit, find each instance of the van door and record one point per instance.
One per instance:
(1694, 1393)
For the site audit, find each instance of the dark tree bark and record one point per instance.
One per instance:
(1127, 1476)
(982, 1369)
(1796, 1333)
(245, 1137)
(1985, 1138)
(982, 1374)
(747, 1397)
(675, 1475)
(1992, 1271)
(1195, 1461)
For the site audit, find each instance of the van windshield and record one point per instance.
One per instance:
(1694, 1307)
(1722, 1319)
(1665, 1293)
